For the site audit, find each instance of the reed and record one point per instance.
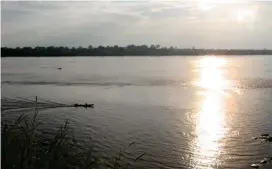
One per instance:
(23, 147)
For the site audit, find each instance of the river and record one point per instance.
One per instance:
(183, 112)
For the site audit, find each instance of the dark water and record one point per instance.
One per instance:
(184, 112)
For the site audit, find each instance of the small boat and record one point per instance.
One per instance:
(84, 105)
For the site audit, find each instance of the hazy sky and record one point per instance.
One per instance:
(199, 23)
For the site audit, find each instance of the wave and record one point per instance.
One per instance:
(117, 84)
(240, 84)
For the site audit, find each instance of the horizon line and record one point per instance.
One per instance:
(124, 46)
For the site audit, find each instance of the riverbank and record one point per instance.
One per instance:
(130, 50)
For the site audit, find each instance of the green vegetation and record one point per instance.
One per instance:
(130, 50)
(24, 147)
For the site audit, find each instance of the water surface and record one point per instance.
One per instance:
(184, 112)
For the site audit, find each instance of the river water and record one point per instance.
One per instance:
(183, 112)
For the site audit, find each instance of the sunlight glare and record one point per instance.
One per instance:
(211, 76)
(247, 15)
(204, 5)
(210, 121)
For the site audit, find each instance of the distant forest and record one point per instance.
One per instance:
(130, 50)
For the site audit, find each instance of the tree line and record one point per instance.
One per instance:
(130, 50)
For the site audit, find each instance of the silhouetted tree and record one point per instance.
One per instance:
(130, 50)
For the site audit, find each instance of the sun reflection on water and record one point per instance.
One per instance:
(210, 119)
(211, 75)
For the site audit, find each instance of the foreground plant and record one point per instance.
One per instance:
(23, 147)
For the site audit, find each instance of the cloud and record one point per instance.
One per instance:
(197, 23)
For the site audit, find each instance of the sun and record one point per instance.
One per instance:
(240, 17)
(245, 15)
(205, 5)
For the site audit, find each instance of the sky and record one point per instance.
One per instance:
(183, 23)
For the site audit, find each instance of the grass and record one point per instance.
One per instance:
(23, 147)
